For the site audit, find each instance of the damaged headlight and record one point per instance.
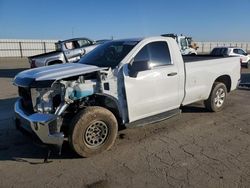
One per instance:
(44, 100)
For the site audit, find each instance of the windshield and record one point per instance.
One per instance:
(109, 54)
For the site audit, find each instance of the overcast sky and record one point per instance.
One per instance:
(205, 20)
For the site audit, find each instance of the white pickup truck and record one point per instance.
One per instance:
(121, 82)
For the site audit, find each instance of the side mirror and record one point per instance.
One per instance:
(138, 66)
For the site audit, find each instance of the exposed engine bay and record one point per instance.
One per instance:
(75, 90)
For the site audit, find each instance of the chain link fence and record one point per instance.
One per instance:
(25, 48)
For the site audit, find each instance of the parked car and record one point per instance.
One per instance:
(233, 51)
(67, 51)
(115, 85)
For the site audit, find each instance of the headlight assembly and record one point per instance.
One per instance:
(42, 99)
(46, 100)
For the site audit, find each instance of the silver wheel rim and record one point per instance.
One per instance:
(96, 134)
(219, 97)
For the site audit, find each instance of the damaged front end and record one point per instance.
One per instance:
(38, 112)
(41, 110)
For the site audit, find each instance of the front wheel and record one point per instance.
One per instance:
(217, 97)
(93, 130)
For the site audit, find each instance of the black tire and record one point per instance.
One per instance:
(217, 97)
(93, 131)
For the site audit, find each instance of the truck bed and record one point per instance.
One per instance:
(45, 54)
(190, 59)
(201, 72)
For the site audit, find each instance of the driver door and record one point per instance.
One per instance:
(151, 82)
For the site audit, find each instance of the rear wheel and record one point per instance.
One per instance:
(217, 98)
(93, 130)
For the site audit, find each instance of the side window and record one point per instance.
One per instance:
(83, 43)
(240, 51)
(69, 45)
(142, 55)
(157, 53)
(219, 52)
(215, 51)
(236, 51)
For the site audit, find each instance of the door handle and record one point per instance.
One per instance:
(172, 74)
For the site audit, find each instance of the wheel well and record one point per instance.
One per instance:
(55, 62)
(111, 104)
(225, 79)
(102, 100)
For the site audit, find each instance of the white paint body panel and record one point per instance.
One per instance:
(200, 76)
(153, 92)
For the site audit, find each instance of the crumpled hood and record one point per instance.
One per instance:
(45, 76)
